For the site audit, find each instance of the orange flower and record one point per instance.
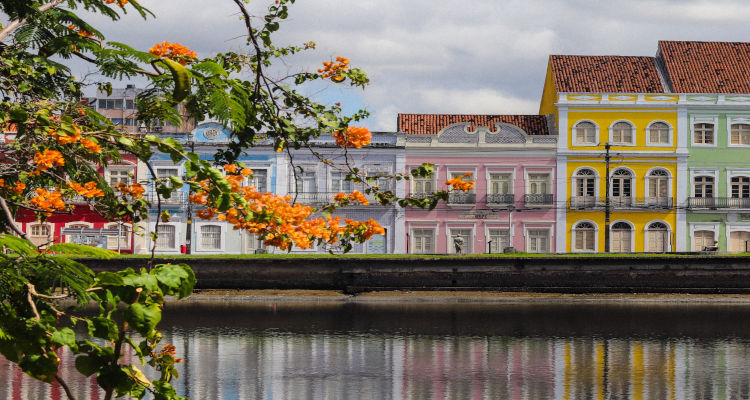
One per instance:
(19, 187)
(353, 137)
(334, 70)
(173, 51)
(47, 201)
(91, 145)
(339, 196)
(359, 197)
(460, 184)
(89, 189)
(135, 190)
(246, 172)
(47, 159)
(231, 168)
(67, 138)
(119, 2)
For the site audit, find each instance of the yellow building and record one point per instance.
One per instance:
(619, 154)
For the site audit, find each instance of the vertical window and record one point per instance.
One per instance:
(119, 176)
(538, 241)
(622, 187)
(381, 179)
(585, 184)
(305, 183)
(585, 133)
(252, 243)
(123, 240)
(167, 237)
(740, 134)
(538, 183)
(423, 241)
(704, 186)
(210, 237)
(422, 185)
(340, 184)
(165, 173)
(658, 133)
(657, 238)
(703, 133)
(40, 234)
(622, 132)
(703, 240)
(740, 187)
(500, 184)
(498, 240)
(259, 180)
(460, 241)
(129, 104)
(621, 234)
(739, 241)
(658, 187)
(585, 237)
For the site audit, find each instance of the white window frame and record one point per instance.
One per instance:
(574, 181)
(574, 139)
(246, 237)
(489, 171)
(449, 241)
(703, 226)
(573, 232)
(250, 182)
(126, 166)
(694, 173)
(526, 235)
(736, 119)
(670, 245)
(354, 186)
(490, 227)
(533, 171)
(632, 233)
(433, 228)
(647, 181)
(197, 239)
(633, 184)
(177, 236)
(30, 226)
(432, 179)
(612, 133)
(670, 143)
(735, 227)
(704, 119)
(72, 223)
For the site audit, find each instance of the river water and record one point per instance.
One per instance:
(330, 350)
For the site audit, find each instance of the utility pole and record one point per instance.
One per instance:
(607, 204)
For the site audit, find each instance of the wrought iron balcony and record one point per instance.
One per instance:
(500, 198)
(719, 202)
(538, 199)
(177, 197)
(584, 202)
(654, 202)
(462, 198)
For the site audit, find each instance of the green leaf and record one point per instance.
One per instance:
(176, 279)
(143, 318)
(108, 279)
(103, 328)
(65, 337)
(18, 245)
(78, 249)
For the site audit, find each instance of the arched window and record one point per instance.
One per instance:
(621, 234)
(740, 134)
(658, 237)
(622, 133)
(622, 188)
(585, 133)
(658, 188)
(585, 237)
(585, 187)
(658, 133)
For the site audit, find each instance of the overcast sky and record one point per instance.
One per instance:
(448, 56)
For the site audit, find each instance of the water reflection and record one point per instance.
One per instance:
(445, 351)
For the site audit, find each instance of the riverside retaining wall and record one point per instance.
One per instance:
(689, 274)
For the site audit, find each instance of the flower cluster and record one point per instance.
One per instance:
(17, 188)
(91, 145)
(119, 2)
(334, 69)
(88, 190)
(168, 350)
(355, 196)
(47, 201)
(173, 51)
(459, 184)
(65, 139)
(80, 31)
(47, 159)
(135, 190)
(353, 137)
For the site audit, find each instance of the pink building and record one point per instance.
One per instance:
(511, 158)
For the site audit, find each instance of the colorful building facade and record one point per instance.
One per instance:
(511, 158)
(618, 157)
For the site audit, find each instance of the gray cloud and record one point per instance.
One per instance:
(450, 56)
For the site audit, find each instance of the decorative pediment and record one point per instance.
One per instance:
(458, 133)
(505, 133)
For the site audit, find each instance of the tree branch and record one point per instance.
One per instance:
(13, 25)
(65, 387)
(11, 221)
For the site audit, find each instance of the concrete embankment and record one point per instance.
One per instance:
(647, 274)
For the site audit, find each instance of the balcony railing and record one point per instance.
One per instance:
(538, 199)
(584, 202)
(719, 202)
(500, 198)
(177, 197)
(462, 198)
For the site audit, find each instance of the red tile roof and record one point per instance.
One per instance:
(707, 67)
(430, 124)
(618, 74)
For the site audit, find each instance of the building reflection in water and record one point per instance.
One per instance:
(236, 363)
